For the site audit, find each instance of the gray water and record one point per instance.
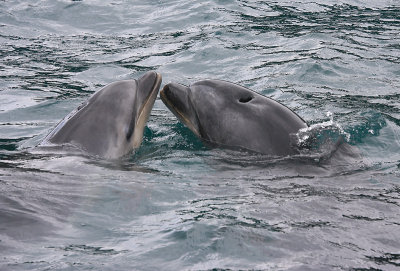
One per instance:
(176, 204)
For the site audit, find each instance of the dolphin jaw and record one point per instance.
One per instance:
(144, 114)
(177, 112)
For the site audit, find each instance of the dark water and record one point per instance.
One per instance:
(175, 204)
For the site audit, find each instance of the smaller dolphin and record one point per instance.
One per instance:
(111, 123)
(230, 115)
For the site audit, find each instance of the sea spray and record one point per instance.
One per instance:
(320, 135)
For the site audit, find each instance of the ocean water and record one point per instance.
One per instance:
(176, 204)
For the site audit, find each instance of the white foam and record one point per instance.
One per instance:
(304, 134)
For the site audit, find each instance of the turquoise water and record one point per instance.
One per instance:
(176, 204)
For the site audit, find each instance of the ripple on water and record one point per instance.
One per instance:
(175, 203)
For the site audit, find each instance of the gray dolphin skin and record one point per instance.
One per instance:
(111, 123)
(230, 115)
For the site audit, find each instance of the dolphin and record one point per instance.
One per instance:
(110, 124)
(228, 115)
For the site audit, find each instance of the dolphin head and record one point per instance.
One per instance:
(205, 105)
(231, 115)
(111, 123)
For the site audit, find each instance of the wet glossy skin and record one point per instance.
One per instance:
(230, 115)
(110, 124)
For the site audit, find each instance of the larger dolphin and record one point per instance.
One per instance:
(111, 123)
(230, 115)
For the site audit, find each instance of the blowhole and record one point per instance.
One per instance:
(245, 99)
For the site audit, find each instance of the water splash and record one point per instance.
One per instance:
(318, 134)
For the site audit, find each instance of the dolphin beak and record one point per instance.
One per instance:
(176, 95)
(147, 86)
(177, 98)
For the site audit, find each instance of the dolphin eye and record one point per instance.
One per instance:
(245, 99)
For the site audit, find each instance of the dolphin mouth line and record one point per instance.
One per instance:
(144, 112)
(180, 115)
(153, 92)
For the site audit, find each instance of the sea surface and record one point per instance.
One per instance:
(176, 204)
